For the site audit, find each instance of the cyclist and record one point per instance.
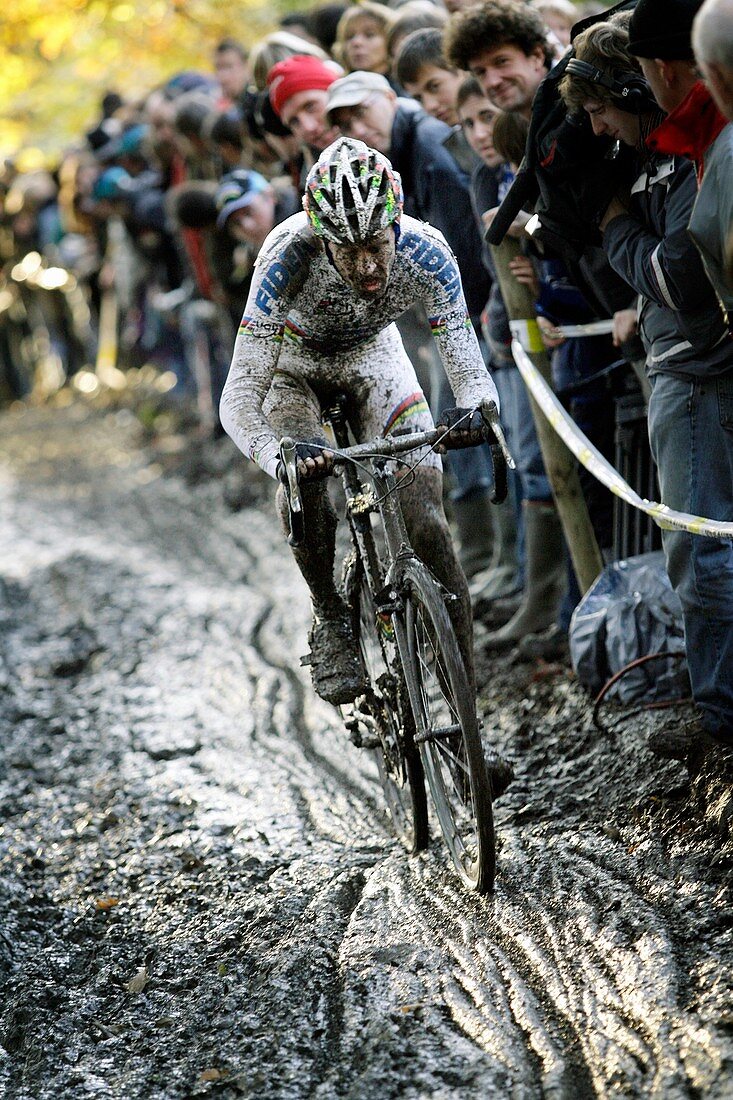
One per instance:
(328, 286)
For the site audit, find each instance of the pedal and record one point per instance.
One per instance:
(359, 739)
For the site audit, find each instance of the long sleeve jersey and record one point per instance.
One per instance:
(302, 316)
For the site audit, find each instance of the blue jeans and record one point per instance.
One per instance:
(518, 421)
(470, 469)
(691, 436)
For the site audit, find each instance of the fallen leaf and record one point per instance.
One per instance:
(213, 1074)
(137, 983)
(106, 903)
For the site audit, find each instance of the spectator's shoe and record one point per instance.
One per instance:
(687, 741)
(545, 551)
(494, 613)
(549, 645)
(334, 659)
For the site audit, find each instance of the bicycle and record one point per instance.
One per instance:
(417, 714)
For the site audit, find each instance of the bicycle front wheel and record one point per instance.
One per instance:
(447, 732)
(397, 759)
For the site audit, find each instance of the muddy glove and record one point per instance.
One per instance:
(464, 428)
(314, 460)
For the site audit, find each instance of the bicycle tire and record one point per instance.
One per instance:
(398, 761)
(447, 733)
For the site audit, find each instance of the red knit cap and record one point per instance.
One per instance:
(301, 73)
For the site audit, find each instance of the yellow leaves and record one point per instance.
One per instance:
(60, 56)
(52, 35)
(123, 13)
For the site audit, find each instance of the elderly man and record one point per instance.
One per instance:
(712, 40)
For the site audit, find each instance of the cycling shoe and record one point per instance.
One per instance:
(334, 660)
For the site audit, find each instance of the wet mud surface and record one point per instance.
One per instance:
(199, 892)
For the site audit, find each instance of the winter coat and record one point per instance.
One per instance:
(680, 320)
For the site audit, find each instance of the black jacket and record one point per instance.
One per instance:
(681, 322)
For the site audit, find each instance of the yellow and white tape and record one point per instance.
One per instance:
(592, 459)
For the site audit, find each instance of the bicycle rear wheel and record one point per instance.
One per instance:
(397, 759)
(447, 733)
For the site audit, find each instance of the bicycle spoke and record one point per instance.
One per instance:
(454, 764)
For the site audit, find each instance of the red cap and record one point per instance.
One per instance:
(301, 73)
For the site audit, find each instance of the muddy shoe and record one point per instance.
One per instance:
(675, 739)
(549, 645)
(334, 660)
(501, 773)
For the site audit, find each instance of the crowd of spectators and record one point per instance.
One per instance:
(167, 199)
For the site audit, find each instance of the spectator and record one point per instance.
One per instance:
(323, 23)
(477, 115)
(361, 38)
(299, 94)
(231, 68)
(712, 39)
(415, 15)
(559, 16)
(424, 73)
(690, 355)
(249, 207)
(225, 132)
(279, 46)
(504, 44)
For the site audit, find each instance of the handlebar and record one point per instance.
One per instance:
(389, 447)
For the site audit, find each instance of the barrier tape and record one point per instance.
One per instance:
(592, 459)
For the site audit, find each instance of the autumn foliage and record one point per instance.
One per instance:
(60, 56)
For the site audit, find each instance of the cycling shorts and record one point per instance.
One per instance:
(377, 378)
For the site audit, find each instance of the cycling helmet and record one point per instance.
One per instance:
(352, 192)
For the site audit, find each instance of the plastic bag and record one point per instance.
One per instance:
(630, 611)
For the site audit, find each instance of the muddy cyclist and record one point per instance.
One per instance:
(328, 286)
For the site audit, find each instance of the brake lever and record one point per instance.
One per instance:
(295, 504)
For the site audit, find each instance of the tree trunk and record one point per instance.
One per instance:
(559, 462)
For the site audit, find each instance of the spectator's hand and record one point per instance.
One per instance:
(615, 208)
(551, 338)
(516, 229)
(523, 271)
(624, 326)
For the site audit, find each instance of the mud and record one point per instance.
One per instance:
(199, 893)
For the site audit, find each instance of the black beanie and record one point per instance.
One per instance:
(663, 28)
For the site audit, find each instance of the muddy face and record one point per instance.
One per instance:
(366, 267)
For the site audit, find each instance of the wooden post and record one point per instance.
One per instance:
(559, 462)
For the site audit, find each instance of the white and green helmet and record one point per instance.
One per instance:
(352, 192)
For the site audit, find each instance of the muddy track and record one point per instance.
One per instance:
(199, 892)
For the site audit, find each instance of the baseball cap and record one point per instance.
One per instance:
(236, 190)
(353, 89)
